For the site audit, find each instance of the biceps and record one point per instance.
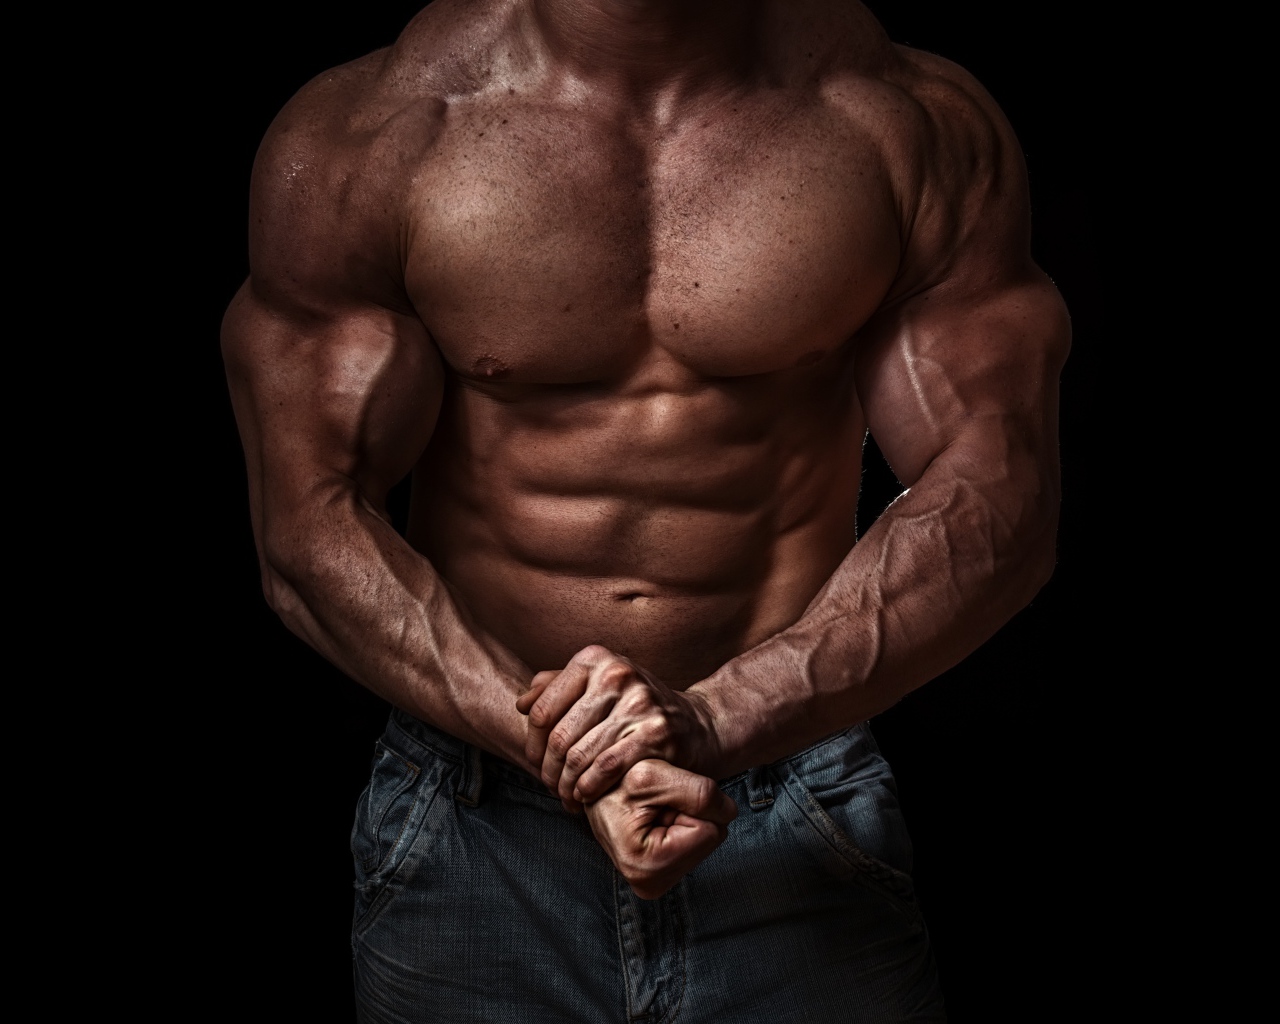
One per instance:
(942, 374)
(345, 398)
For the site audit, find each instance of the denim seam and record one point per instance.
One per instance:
(414, 778)
(622, 953)
(866, 868)
(679, 927)
(400, 757)
(507, 780)
(367, 920)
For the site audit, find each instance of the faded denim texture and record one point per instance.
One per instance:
(479, 899)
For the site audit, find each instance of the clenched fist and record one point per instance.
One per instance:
(659, 823)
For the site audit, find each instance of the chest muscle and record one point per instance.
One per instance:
(562, 250)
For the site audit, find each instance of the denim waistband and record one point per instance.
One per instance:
(417, 733)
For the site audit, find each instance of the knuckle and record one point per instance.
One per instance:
(608, 761)
(704, 791)
(559, 743)
(591, 654)
(655, 729)
(643, 774)
(576, 759)
(616, 674)
(635, 701)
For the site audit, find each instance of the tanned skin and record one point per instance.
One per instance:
(624, 285)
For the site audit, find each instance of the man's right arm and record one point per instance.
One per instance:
(332, 413)
(336, 386)
(336, 392)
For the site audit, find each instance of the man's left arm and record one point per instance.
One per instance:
(961, 395)
(960, 392)
(958, 377)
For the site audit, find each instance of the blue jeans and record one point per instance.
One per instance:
(479, 899)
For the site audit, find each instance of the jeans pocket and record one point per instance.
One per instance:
(397, 824)
(383, 812)
(838, 829)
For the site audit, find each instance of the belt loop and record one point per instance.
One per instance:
(759, 788)
(472, 776)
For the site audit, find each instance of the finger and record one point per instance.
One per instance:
(556, 698)
(687, 820)
(558, 695)
(721, 810)
(539, 683)
(612, 673)
(582, 756)
(591, 655)
(689, 840)
(592, 700)
(674, 851)
(579, 721)
(608, 766)
(661, 783)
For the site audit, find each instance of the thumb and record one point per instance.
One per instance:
(526, 700)
(688, 838)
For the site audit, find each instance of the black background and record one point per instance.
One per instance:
(1007, 765)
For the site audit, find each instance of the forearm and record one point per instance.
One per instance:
(343, 580)
(940, 571)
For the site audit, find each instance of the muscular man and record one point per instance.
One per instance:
(625, 283)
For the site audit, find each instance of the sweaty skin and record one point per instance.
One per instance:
(624, 285)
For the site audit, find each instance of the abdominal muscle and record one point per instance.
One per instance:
(678, 529)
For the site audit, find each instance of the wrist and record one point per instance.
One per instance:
(707, 753)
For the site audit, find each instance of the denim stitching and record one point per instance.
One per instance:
(622, 952)
(884, 878)
(366, 920)
(368, 864)
(680, 946)
(508, 779)
(413, 782)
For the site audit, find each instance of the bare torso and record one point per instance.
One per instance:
(648, 313)
(625, 283)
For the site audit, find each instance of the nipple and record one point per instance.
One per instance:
(491, 367)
